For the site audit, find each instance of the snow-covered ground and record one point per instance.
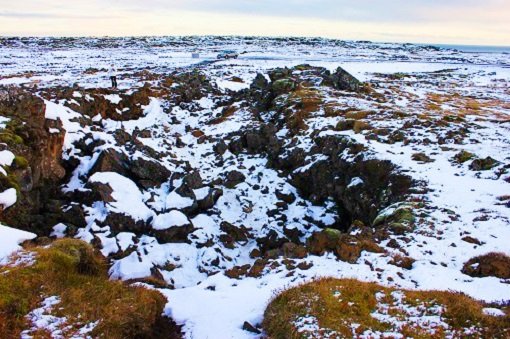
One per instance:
(204, 300)
(10, 239)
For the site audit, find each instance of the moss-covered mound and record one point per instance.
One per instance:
(64, 289)
(331, 308)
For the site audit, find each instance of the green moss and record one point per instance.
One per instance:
(400, 213)
(283, 86)
(10, 138)
(332, 233)
(463, 156)
(398, 76)
(10, 181)
(20, 162)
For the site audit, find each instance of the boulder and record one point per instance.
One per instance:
(483, 164)
(283, 86)
(488, 265)
(148, 173)
(237, 272)
(238, 233)
(175, 234)
(124, 223)
(145, 173)
(234, 178)
(321, 242)
(210, 199)
(257, 268)
(293, 251)
(271, 241)
(220, 147)
(342, 80)
(111, 160)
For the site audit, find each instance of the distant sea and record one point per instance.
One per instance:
(476, 49)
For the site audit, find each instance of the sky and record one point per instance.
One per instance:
(469, 22)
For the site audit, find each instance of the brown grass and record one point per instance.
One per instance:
(225, 114)
(303, 102)
(71, 270)
(338, 303)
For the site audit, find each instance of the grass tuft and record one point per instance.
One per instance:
(334, 305)
(73, 271)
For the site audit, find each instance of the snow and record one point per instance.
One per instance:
(356, 181)
(175, 200)
(171, 219)
(113, 98)
(125, 239)
(495, 312)
(201, 193)
(59, 230)
(41, 319)
(10, 238)
(131, 267)
(127, 196)
(232, 85)
(6, 158)
(205, 301)
(8, 198)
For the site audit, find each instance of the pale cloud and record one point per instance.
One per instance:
(440, 21)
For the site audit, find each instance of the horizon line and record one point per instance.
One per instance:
(249, 36)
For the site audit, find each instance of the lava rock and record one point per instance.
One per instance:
(234, 178)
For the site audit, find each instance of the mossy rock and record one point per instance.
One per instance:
(357, 115)
(422, 158)
(488, 265)
(283, 86)
(463, 156)
(483, 164)
(10, 138)
(20, 162)
(345, 125)
(332, 233)
(360, 125)
(398, 76)
(398, 215)
(9, 181)
(321, 242)
(81, 256)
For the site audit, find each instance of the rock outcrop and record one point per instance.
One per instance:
(38, 168)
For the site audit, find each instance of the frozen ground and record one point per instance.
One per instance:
(204, 300)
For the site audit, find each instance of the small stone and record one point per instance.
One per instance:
(250, 328)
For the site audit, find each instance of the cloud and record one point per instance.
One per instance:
(46, 15)
(347, 10)
(26, 15)
(449, 21)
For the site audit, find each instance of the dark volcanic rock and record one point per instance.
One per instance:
(111, 161)
(149, 173)
(210, 199)
(38, 169)
(176, 234)
(234, 178)
(342, 80)
(123, 223)
(144, 172)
